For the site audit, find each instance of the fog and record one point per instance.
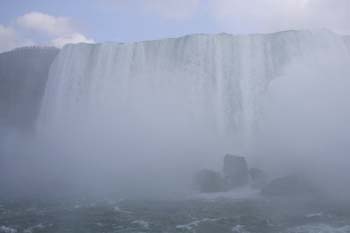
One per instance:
(150, 142)
(305, 126)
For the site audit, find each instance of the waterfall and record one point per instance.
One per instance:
(212, 84)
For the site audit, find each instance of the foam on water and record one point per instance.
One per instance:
(245, 193)
(319, 228)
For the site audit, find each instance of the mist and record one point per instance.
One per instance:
(116, 120)
(305, 125)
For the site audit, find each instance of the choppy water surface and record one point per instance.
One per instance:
(187, 216)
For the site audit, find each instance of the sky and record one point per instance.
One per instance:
(59, 22)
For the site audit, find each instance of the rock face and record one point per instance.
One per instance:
(289, 186)
(258, 178)
(23, 77)
(209, 181)
(235, 171)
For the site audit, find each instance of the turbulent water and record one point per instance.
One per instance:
(181, 216)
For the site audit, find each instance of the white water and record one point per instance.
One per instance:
(160, 106)
(320, 228)
(211, 81)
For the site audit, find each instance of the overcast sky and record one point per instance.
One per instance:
(58, 22)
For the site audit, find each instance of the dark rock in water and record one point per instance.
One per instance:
(209, 181)
(289, 186)
(258, 177)
(235, 171)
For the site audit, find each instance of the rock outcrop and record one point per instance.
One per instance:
(235, 174)
(209, 181)
(289, 186)
(235, 171)
(23, 77)
(258, 178)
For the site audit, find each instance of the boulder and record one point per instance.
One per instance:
(289, 186)
(209, 181)
(258, 178)
(235, 171)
